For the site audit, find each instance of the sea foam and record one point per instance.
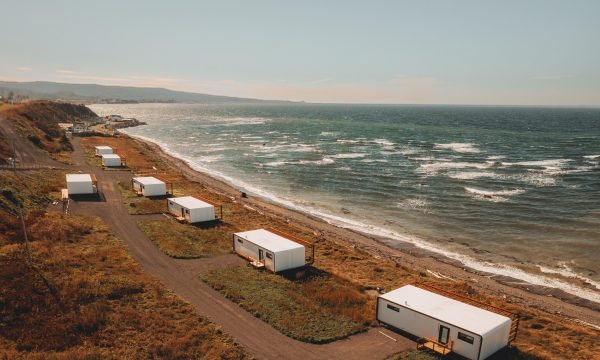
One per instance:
(458, 147)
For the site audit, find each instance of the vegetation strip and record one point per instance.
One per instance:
(317, 308)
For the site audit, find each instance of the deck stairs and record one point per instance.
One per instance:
(437, 347)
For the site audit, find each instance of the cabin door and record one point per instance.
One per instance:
(443, 335)
(261, 255)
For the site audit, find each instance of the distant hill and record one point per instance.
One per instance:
(93, 93)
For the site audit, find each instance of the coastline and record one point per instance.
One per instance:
(551, 300)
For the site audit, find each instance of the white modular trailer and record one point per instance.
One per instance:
(102, 149)
(111, 160)
(81, 184)
(476, 333)
(191, 209)
(149, 186)
(276, 252)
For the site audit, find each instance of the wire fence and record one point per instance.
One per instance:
(22, 167)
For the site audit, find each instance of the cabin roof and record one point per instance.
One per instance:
(269, 240)
(190, 202)
(110, 156)
(73, 178)
(148, 180)
(454, 312)
(103, 147)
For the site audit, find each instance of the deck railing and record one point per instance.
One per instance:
(434, 345)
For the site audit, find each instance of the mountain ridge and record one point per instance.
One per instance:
(48, 90)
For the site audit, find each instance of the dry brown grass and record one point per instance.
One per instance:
(317, 308)
(185, 241)
(85, 296)
(141, 205)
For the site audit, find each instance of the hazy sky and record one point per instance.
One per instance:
(460, 52)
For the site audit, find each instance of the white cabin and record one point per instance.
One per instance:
(468, 330)
(111, 160)
(101, 150)
(149, 186)
(276, 252)
(81, 184)
(191, 209)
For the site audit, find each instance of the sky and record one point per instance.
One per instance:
(540, 52)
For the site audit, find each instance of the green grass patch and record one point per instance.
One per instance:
(141, 205)
(319, 308)
(185, 241)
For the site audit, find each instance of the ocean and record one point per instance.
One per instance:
(509, 190)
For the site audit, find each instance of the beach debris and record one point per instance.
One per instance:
(345, 211)
(244, 195)
(440, 275)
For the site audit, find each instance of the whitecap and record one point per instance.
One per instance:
(494, 193)
(541, 163)
(330, 133)
(349, 156)
(592, 157)
(437, 167)
(470, 175)
(458, 147)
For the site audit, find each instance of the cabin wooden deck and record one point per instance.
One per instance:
(427, 343)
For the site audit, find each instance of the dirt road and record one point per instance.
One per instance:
(259, 338)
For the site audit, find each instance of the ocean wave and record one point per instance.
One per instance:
(437, 167)
(493, 196)
(565, 270)
(458, 147)
(235, 121)
(348, 156)
(471, 175)
(592, 157)
(330, 133)
(383, 142)
(323, 161)
(347, 141)
(414, 204)
(548, 164)
(496, 157)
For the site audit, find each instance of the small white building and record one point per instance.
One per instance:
(466, 330)
(149, 186)
(103, 149)
(111, 160)
(274, 251)
(82, 184)
(191, 209)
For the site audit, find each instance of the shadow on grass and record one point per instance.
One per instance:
(513, 353)
(98, 197)
(205, 225)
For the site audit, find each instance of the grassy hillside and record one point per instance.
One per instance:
(83, 296)
(37, 122)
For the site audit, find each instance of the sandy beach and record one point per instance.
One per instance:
(550, 300)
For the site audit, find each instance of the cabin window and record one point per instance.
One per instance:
(393, 308)
(187, 211)
(270, 256)
(466, 338)
(240, 241)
